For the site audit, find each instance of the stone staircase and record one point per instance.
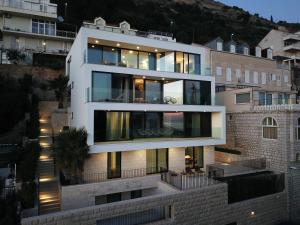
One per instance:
(49, 196)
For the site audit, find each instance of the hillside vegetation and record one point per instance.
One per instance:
(194, 20)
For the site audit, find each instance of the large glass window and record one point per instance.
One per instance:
(139, 90)
(165, 61)
(117, 126)
(110, 56)
(101, 87)
(113, 165)
(94, 54)
(173, 124)
(269, 128)
(43, 27)
(173, 92)
(144, 60)
(179, 62)
(157, 160)
(205, 93)
(192, 124)
(192, 92)
(265, 98)
(153, 91)
(129, 58)
(112, 88)
(194, 158)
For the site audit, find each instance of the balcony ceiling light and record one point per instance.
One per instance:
(137, 47)
(112, 49)
(155, 50)
(97, 41)
(144, 77)
(163, 78)
(93, 46)
(118, 44)
(130, 52)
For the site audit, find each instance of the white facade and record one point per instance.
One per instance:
(83, 108)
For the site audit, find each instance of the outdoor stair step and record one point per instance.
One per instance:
(47, 211)
(50, 202)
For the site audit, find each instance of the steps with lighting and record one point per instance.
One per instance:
(49, 197)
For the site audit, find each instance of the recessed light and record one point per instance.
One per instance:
(112, 49)
(97, 41)
(130, 52)
(144, 77)
(93, 46)
(163, 78)
(252, 213)
(155, 50)
(137, 47)
(118, 44)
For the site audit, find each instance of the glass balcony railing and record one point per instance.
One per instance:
(32, 6)
(146, 97)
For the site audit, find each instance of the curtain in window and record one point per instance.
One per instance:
(117, 126)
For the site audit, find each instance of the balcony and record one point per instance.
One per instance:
(53, 34)
(292, 47)
(28, 7)
(291, 37)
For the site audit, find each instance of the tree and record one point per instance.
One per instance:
(60, 85)
(71, 152)
(15, 56)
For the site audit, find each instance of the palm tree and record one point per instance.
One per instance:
(71, 152)
(60, 85)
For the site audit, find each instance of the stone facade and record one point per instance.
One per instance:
(244, 131)
(205, 206)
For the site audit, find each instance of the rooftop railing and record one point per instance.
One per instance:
(31, 6)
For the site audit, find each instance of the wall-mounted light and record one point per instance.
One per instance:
(44, 43)
(252, 213)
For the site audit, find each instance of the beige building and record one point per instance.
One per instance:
(263, 114)
(31, 28)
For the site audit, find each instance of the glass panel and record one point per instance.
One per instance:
(243, 98)
(41, 28)
(51, 29)
(113, 165)
(114, 197)
(192, 124)
(153, 91)
(192, 92)
(269, 99)
(280, 99)
(152, 61)
(152, 125)
(117, 126)
(186, 63)
(101, 87)
(144, 60)
(129, 58)
(136, 194)
(173, 92)
(194, 64)
(151, 161)
(94, 54)
(206, 124)
(120, 88)
(139, 91)
(179, 62)
(262, 98)
(189, 158)
(138, 127)
(165, 61)
(110, 56)
(174, 123)
(205, 93)
(198, 157)
(35, 27)
(162, 160)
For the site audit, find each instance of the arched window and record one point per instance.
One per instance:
(269, 125)
(298, 129)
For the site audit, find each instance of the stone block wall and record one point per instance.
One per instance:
(205, 206)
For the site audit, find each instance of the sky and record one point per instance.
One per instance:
(288, 10)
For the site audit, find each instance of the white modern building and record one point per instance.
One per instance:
(31, 27)
(144, 101)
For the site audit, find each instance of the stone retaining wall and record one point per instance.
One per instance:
(205, 206)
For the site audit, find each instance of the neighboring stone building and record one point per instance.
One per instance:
(31, 28)
(262, 111)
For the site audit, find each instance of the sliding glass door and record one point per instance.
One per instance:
(157, 160)
(194, 158)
